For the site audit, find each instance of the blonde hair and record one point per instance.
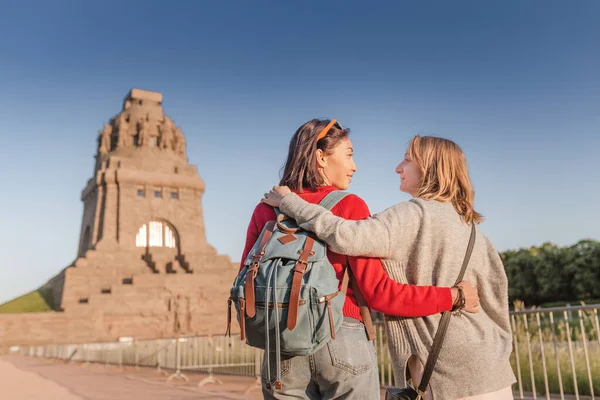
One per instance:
(444, 173)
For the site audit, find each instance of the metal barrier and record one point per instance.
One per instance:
(555, 351)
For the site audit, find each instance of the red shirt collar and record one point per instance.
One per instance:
(319, 189)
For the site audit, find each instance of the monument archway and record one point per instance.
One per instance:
(157, 233)
(158, 241)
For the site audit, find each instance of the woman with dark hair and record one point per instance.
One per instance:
(423, 242)
(320, 160)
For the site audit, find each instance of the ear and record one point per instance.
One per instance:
(321, 159)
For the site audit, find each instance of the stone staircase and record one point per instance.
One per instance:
(140, 287)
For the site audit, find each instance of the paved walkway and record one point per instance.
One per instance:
(25, 378)
(29, 378)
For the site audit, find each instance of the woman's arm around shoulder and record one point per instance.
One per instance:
(380, 291)
(376, 236)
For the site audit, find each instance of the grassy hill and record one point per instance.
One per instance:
(39, 300)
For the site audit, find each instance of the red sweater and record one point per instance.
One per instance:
(380, 291)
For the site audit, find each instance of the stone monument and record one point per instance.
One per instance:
(144, 268)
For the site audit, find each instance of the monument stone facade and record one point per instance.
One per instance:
(144, 267)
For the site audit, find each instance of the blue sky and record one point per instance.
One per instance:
(516, 84)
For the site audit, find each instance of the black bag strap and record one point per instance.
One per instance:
(443, 326)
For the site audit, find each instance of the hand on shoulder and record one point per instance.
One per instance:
(275, 195)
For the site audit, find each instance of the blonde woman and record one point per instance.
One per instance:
(423, 242)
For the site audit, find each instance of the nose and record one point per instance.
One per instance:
(399, 168)
(354, 169)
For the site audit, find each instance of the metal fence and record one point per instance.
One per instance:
(557, 351)
(556, 354)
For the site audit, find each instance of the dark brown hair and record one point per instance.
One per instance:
(300, 169)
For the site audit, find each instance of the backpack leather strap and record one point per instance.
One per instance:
(365, 312)
(253, 270)
(228, 332)
(299, 271)
(345, 281)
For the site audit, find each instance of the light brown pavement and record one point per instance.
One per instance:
(27, 378)
(16, 384)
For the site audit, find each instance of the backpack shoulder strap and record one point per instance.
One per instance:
(329, 202)
(365, 311)
(332, 199)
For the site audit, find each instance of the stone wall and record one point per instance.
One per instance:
(57, 327)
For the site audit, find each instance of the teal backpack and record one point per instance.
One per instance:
(288, 267)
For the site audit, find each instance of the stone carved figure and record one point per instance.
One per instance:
(181, 316)
(104, 139)
(179, 145)
(166, 134)
(123, 131)
(143, 133)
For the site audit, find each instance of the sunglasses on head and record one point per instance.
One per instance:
(325, 130)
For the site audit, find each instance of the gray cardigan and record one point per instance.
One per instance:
(423, 242)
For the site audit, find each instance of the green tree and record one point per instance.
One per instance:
(520, 269)
(553, 277)
(584, 268)
(551, 273)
